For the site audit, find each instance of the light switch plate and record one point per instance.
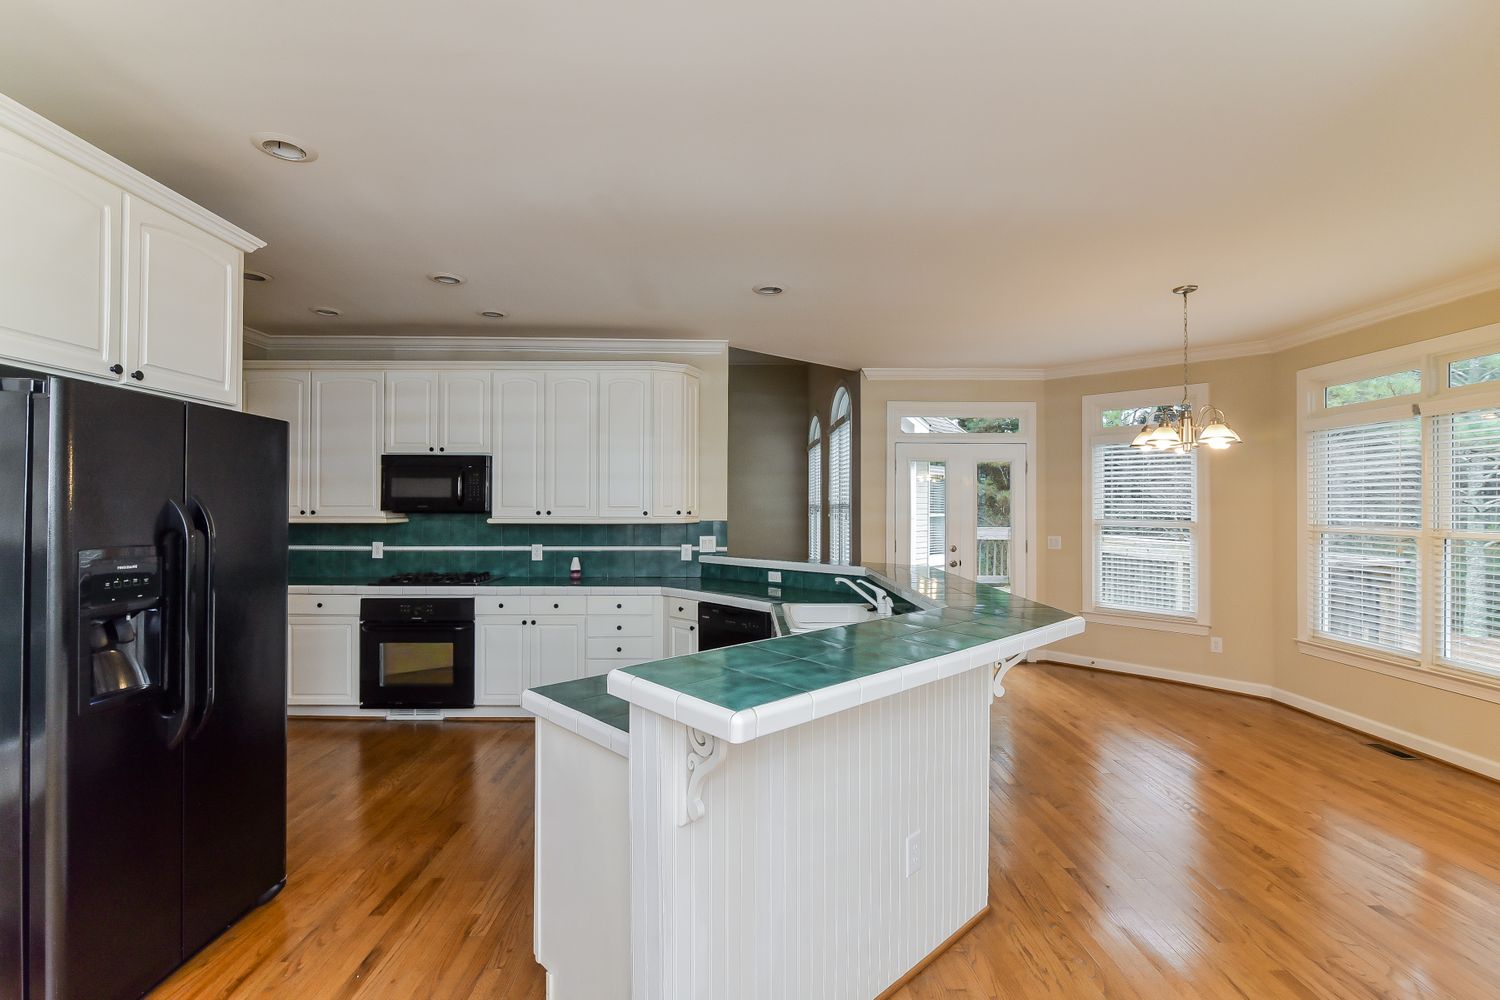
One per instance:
(707, 543)
(773, 576)
(377, 550)
(1054, 541)
(687, 552)
(536, 553)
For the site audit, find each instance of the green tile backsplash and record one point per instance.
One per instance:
(473, 529)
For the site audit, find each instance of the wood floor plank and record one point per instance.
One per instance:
(1148, 841)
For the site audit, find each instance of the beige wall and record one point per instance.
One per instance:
(768, 477)
(713, 406)
(1253, 529)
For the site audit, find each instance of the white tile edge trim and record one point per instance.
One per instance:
(1432, 748)
(773, 717)
(795, 567)
(571, 719)
(489, 548)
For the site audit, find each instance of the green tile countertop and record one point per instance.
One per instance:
(584, 707)
(742, 692)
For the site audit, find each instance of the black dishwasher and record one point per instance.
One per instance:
(722, 625)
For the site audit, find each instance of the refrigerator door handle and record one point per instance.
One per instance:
(203, 519)
(174, 521)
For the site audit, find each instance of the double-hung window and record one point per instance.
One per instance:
(840, 485)
(1401, 540)
(1145, 513)
(815, 491)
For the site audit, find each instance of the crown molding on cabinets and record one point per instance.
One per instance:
(30, 125)
(1451, 291)
(332, 347)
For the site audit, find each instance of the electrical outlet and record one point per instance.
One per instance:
(377, 550)
(1216, 644)
(687, 552)
(1054, 541)
(536, 553)
(773, 591)
(707, 543)
(773, 576)
(913, 853)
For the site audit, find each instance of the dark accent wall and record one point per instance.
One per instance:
(768, 414)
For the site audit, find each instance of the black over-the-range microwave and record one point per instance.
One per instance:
(435, 484)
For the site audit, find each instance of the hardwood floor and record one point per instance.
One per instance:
(1147, 841)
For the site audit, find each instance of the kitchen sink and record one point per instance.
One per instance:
(811, 617)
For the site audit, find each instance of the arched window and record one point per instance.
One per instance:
(815, 491)
(840, 473)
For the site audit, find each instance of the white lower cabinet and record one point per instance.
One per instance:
(322, 660)
(515, 652)
(682, 637)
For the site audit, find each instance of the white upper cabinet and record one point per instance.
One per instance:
(519, 405)
(437, 412)
(570, 433)
(464, 413)
(59, 262)
(182, 307)
(347, 412)
(286, 395)
(107, 275)
(624, 444)
(669, 445)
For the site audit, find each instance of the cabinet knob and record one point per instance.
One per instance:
(549, 513)
(692, 628)
(679, 512)
(500, 605)
(619, 649)
(320, 604)
(138, 375)
(539, 513)
(442, 449)
(619, 605)
(645, 513)
(302, 513)
(117, 369)
(556, 606)
(312, 512)
(619, 628)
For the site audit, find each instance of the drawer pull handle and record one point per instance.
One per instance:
(619, 649)
(320, 604)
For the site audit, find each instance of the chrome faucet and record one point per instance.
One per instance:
(884, 606)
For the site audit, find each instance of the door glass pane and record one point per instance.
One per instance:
(993, 509)
(929, 512)
(960, 425)
(403, 664)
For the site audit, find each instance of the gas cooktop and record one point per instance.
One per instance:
(435, 580)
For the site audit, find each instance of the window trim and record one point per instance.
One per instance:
(816, 515)
(1432, 358)
(840, 422)
(1200, 623)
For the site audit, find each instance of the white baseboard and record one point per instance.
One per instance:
(379, 714)
(1427, 747)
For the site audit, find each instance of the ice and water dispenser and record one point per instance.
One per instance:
(120, 604)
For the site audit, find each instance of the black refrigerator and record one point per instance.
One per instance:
(142, 682)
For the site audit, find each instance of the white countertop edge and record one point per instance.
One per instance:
(574, 721)
(782, 564)
(688, 593)
(776, 716)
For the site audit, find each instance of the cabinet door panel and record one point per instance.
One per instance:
(519, 443)
(411, 406)
(346, 443)
(59, 262)
(321, 660)
(557, 649)
(624, 438)
(668, 444)
(502, 657)
(182, 312)
(683, 638)
(285, 396)
(465, 405)
(571, 437)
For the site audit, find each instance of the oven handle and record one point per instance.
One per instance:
(398, 626)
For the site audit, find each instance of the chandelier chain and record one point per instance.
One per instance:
(1184, 349)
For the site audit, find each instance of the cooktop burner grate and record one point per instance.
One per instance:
(435, 580)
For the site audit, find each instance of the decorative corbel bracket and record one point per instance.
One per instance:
(1002, 667)
(704, 753)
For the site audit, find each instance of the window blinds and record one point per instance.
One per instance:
(815, 502)
(1145, 507)
(1364, 506)
(1466, 514)
(839, 497)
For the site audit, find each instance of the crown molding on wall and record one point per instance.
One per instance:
(1452, 291)
(50, 136)
(358, 347)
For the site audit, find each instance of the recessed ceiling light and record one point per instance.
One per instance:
(492, 314)
(283, 147)
(257, 276)
(326, 311)
(444, 278)
(768, 289)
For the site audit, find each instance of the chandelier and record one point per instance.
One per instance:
(1176, 428)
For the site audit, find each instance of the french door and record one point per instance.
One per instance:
(961, 508)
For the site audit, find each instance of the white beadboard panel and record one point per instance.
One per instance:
(793, 883)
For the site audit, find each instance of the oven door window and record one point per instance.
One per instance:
(417, 664)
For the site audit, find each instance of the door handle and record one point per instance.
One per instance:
(204, 520)
(953, 548)
(174, 521)
(955, 562)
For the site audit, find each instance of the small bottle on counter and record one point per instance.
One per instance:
(575, 571)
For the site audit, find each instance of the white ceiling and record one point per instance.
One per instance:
(993, 183)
